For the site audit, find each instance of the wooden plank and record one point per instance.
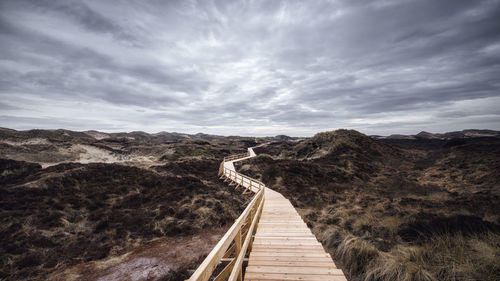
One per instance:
(292, 259)
(270, 220)
(316, 247)
(296, 270)
(285, 234)
(281, 215)
(289, 254)
(290, 242)
(294, 277)
(267, 225)
(283, 227)
(284, 210)
(288, 250)
(298, 223)
(287, 238)
(284, 231)
(255, 262)
(276, 219)
(269, 212)
(272, 213)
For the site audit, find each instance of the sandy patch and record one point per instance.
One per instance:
(97, 135)
(92, 154)
(151, 261)
(32, 141)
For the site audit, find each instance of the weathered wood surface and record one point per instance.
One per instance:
(284, 247)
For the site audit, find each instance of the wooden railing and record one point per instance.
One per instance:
(231, 251)
(236, 156)
(240, 179)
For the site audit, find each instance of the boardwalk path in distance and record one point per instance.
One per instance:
(284, 247)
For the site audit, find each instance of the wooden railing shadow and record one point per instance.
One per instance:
(232, 250)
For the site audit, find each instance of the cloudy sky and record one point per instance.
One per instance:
(250, 67)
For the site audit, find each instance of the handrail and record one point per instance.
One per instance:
(242, 180)
(230, 249)
(236, 156)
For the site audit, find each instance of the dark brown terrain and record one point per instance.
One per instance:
(423, 207)
(138, 206)
(90, 206)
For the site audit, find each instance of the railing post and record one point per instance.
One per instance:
(237, 243)
(221, 169)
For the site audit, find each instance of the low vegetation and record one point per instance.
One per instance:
(394, 209)
(62, 217)
(90, 205)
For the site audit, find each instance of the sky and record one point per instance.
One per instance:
(252, 68)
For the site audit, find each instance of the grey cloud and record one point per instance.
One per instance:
(78, 12)
(259, 64)
(80, 71)
(5, 106)
(47, 122)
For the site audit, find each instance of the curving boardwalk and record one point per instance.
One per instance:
(284, 247)
(273, 236)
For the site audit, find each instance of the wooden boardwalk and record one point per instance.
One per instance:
(283, 247)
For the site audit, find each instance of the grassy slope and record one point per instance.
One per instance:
(394, 211)
(70, 213)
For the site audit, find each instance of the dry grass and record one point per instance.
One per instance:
(420, 210)
(403, 263)
(357, 253)
(76, 213)
(443, 258)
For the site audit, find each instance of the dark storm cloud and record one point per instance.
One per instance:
(4, 106)
(82, 72)
(78, 12)
(251, 67)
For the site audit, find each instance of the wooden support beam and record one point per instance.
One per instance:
(224, 274)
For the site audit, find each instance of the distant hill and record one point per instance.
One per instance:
(338, 142)
(469, 133)
(86, 136)
(72, 201)
(395, 206)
